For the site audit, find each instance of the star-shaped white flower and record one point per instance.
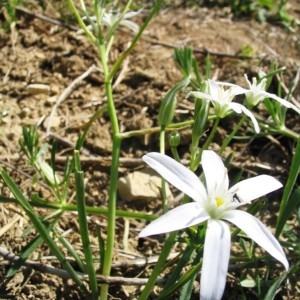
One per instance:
(222, 99)
(112, 17)
(109, 19)
(215, 203)
(257, 93)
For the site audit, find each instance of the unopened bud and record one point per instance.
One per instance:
(174, 139)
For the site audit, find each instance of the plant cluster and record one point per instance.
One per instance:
(202, 222)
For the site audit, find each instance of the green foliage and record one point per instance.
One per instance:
(10, 11)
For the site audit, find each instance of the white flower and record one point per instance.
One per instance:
(109, 19)
(257, 93)
(222, 100)
(215, 203)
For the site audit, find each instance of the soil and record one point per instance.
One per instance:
(40, 60)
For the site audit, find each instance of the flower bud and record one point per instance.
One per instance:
(168, 105)
(174, 139)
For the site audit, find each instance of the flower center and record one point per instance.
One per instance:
(219, 201)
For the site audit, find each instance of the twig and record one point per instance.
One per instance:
(150, 40)
(67, 92)
(200, 51)
(6, 227)
(45, 18)
(289, 91)
(64, 274)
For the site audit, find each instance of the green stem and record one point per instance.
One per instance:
(159, 265)
(232, 134)
(83, 227)
(175, 154)
(80, 22)
(289, 133)
(42, 229)
(112, 193)
(212, 134)
(111, 226)
(196, 158)
(121, 58)
(162, 147)
(36, 202)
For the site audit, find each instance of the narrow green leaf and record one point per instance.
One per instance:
(287, 203)
(83, 226)
(24, 254)
(41, 229)
(177, 271)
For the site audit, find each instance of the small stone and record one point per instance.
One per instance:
(142, 185)
(55, 122)
(37, 88)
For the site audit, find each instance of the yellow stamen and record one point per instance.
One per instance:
(219, 201)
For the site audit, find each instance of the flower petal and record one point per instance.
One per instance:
(177, 174)
(216, 177)
(215, 260)
(258, 232)
(236, 107)
(131, 25)
(201, 95)
(280, 100)
(214, 90)
(255, 187)
(183, 216)
(132, 14)
(248, 113)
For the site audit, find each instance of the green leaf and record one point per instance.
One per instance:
(168, 105)
(25, 253)
(289, 203)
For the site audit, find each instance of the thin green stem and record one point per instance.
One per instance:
(89, 209)
(121, 58)
(111, 214)
(288, 132)
(42, 229)
(196, 157)
(83, 227)
(159, 265)
(80, 22)
(175, 154)
(162, 146)
(212, 134)
(112, 193)
(232, 134)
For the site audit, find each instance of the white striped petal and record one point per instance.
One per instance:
(183, 216)
(258, 232)
(255, 187)
(216, 177)
(177, 174)
(280, 100)
(248, 113)
(201, 95)
(215, 260)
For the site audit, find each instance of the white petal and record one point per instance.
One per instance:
(215, 172)
(248, 113)
(236, 107)
(215, 260)
(255, 187)
(177, 174)
(214, 90)
(249, 83)
(183, 216)
(131, 25)
(201, 95)
(258, 232)
(132, 14)
(280, 100)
